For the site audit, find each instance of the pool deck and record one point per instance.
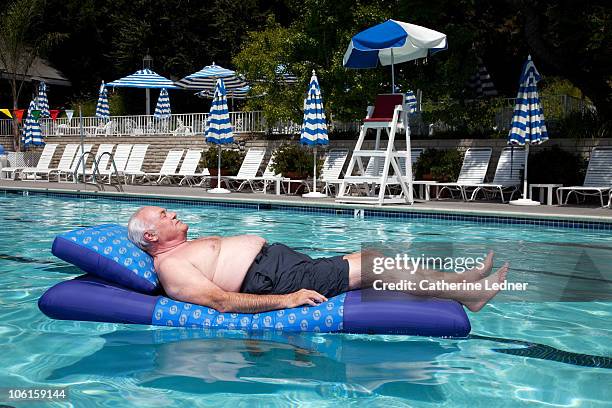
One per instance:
(484, 208)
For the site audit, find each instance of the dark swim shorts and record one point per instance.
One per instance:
(278, 270)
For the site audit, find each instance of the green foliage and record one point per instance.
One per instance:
(466, 119)
(88, 105)
(296, 159)
(554, 165)
(580, 125)
(439, 165)
(231, 159)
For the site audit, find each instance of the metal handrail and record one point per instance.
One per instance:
(76, 168)
(96, 169)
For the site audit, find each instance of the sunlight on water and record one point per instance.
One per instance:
(521, 352)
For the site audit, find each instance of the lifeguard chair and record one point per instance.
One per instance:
(389, 114)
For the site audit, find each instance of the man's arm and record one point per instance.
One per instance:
(182, 281)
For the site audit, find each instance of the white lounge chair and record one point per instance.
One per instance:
(79, 159)
(43, 164)
(332, 169)
(473, 171)
(189, 166)
(507, 175)
(120, 159)
(598, 178)
(168, 167)
(247, 173)
(64, 163)
(181, 129)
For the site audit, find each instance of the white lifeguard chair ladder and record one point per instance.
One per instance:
(391, 115)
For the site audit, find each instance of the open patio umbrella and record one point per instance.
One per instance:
(528, 125)
(390, 43)
(314, 126)
(32, 134)
(236, 93)
(219, 128)
(42, 101)
(144, 79)
(206, 79)
(162, 109)
(102, 108)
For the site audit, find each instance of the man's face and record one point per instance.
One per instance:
(167, 226)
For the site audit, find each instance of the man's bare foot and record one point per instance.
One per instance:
(476, 274)
(486, 295)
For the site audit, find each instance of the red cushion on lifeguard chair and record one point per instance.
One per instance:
(384, 107)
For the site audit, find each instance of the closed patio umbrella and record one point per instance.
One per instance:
(314, 126)
(102, 108)
(42, 101)
(219, 128)
(32, 134)
(162, 109)
(528, 127)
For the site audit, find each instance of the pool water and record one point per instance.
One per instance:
(520, 353)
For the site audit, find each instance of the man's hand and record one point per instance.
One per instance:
(304, 297)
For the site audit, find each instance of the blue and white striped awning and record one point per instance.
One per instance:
(219, 127)
(42, 101)
(102, 108)
(528, 119)
(162, 110)
(206, 79)
(314, 126)
(32, 134)
(144, 78)
(411, 102)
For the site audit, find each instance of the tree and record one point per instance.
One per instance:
(20, 46)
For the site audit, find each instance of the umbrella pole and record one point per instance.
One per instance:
(82, 147)
(525, 195)
(219, 168)
(392, 73)
(314, 182)
(148, 101)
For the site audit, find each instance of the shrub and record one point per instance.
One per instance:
(439, 165)
(296, 159)
(231, 159)
(554, 165)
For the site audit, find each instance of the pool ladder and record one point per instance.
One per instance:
(96, 170)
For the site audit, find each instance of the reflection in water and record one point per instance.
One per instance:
(199, 361)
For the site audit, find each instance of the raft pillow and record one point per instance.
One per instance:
(106, 252)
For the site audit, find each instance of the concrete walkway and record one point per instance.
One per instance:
(578, 213)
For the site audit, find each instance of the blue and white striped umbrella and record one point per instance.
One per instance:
(411, 102)
(219, 127)
(145, 79)
(102, 108)
(32, 134)
(206, 79)
(162, 110)
(481, 82)
(528, 125)
(314, 126)
(42, 101)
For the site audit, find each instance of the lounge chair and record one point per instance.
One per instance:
(181, 129)
(79, 159)
(189, 166)
(120, 159)
(247, 173)
(102, 157)
(168, 168)
(507, 177)
(598, 178)
(43, 164)
(133, 166)
(332, 169)
(473, 171)
(64, 163)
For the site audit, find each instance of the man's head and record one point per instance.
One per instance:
(152, 228)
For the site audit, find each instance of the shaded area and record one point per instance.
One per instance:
(545, 352)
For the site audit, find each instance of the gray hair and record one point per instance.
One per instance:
(137, 227)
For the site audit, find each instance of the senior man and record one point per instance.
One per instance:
(245, 274)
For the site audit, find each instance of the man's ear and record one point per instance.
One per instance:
(150, 236)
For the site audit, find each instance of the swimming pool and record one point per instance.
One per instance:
(519, 353)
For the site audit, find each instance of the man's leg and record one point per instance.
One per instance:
(472, 299)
